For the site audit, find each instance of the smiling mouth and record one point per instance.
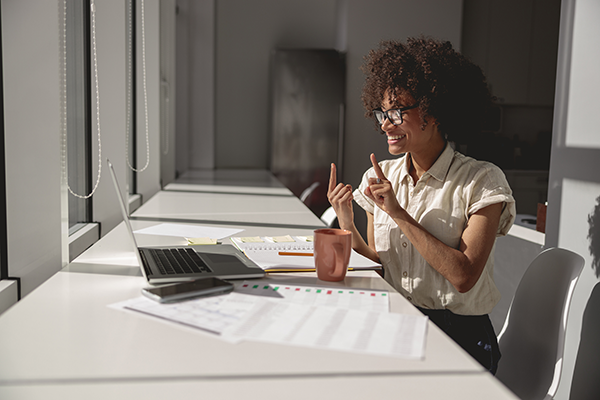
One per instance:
(397, 137)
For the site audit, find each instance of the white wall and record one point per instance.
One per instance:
(574, 179)
(195, 84)
(246, 32)
(32, 138)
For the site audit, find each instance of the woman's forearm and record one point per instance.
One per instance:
(359, 245)
(462, 267)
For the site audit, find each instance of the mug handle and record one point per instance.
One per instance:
(339, 260)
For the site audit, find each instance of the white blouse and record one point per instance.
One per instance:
(443, 199)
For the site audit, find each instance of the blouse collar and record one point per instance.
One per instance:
(438, 170)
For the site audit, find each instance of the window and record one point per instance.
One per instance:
(3, 228)
(79, 78)
(78, 111)
(131, 117)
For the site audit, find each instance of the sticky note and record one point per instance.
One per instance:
(203, 240)
(282, 239)
(251, 239)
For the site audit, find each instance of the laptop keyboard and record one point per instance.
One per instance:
(178, 261)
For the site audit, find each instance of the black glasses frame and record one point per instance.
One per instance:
(381, 115)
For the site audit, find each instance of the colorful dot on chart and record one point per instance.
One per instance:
(372, 294)
(318, 290)
(246, 285)
(329, 292)
(297, 289)
(276, 288)
(266, 287)
(308, 290)
(254, 287)
(341, 291)
(384, 294)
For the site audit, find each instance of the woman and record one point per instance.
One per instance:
(433, 214)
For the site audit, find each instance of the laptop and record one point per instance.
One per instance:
(184, 263)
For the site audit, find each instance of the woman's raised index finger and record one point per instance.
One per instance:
(376, 167)
(332, 178)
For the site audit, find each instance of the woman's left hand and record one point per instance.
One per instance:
(381, 192)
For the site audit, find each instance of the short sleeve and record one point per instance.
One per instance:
(491, 187)
(359, 194)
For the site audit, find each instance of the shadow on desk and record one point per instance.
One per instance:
(297, 279)
(103, 269)
(310, 278)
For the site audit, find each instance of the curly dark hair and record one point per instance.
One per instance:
(446, 85)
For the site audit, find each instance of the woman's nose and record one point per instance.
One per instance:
(387, 125)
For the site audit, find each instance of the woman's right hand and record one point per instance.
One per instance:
(340, 197)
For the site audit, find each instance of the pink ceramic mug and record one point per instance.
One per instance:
(332, 253)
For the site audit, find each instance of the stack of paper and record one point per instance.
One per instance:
(367, 332)
(329, 318)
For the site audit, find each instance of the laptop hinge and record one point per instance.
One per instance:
(145, 263)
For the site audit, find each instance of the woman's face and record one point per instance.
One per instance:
(408, 136)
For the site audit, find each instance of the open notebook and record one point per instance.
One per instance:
(290, 254)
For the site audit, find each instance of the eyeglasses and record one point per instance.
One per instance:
(394, 115)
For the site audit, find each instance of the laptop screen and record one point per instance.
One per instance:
(126, 217)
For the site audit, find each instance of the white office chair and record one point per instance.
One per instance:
(532, 339)
(308, 191)
(329, 217)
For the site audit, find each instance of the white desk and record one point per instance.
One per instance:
(71, 333)
(68, 332)
(230, 181)
(411, 386)
(209, 188)
(228, 208)
(63, 341)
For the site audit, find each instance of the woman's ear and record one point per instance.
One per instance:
(429, 120)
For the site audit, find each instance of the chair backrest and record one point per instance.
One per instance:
(308, 191)
(532, 339)
(328, 217)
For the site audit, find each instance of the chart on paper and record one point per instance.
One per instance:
(356, 299)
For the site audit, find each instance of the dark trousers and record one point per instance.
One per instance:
(474, 333)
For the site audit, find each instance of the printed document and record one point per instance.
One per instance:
(368, 332)
(300, 316)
